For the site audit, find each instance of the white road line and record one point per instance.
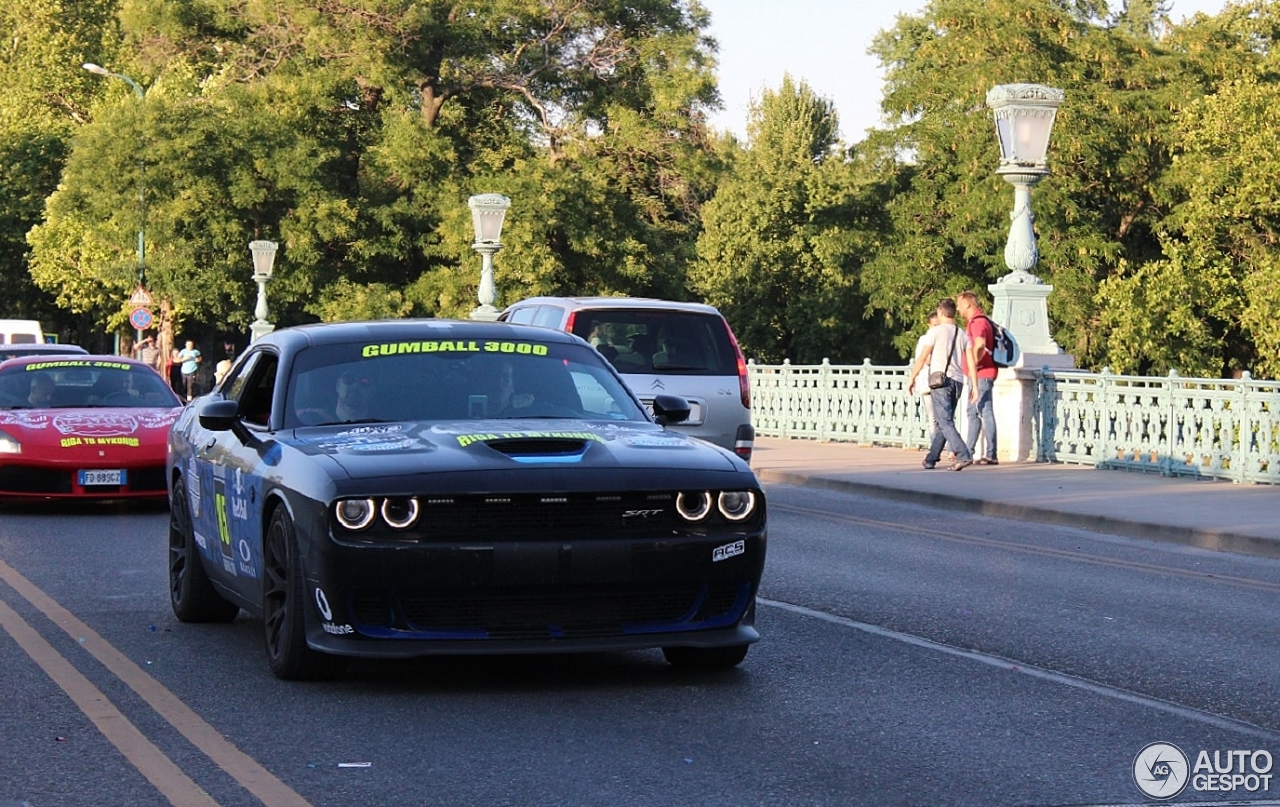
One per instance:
(1185, 712)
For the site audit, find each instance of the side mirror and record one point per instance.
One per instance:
(668, 409)
(219, 415)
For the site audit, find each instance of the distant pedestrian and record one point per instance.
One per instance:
(947, 347)
(174, 366)
(981, 410)
(147, 352)
(190, 358)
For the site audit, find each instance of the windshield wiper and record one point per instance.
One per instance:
(349, 422)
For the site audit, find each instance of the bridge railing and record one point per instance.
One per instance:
(1215, 428)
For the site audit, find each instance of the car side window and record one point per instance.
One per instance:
(254, 387)
(522, 316)
(548, 316)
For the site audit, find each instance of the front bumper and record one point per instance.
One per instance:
(534, 596)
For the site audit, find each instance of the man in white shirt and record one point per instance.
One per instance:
(944, 348)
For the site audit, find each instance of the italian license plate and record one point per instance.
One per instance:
(101, 477)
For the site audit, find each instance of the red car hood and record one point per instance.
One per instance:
(67, 433)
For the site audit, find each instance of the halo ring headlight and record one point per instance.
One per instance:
(693, 505)
(736, 505)
(400, 513)
(355, 514)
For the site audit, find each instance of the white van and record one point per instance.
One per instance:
(20, 332)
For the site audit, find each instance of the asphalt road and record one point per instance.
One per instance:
(910, 656)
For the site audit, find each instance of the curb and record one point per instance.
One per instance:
(1212, 540)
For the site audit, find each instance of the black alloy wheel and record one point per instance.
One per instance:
(283, 601)
(192, 596)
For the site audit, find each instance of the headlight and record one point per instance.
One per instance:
(736, 505)
(8, 445)
(400, 513)
(355, 514)
(693, 505)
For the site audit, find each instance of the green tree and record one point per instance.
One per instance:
(784, 236)
(42, 97)
(1206, 305)
(354, 132)
(1099, 212)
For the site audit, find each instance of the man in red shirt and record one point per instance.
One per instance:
(982, 415)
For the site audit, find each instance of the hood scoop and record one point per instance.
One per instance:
(541, 449)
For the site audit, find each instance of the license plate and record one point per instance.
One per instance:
(88, 478)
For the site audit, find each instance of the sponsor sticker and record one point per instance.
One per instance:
(728, 551)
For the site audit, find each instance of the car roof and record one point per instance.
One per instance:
(395, 330)
(43, 349)
(618, 302)
(77, 358)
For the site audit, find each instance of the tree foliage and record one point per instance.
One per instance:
(353, 132)
(783, 242)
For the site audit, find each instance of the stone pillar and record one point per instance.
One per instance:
(1021, 306)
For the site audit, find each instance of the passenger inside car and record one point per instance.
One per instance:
(42, 390)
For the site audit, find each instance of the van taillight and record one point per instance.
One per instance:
(568, 326)
(744, 381)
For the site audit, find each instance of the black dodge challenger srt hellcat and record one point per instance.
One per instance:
(411, 487)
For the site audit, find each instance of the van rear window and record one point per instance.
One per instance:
(655, 341)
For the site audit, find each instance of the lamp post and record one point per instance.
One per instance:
(1024, 116)
(487, 213)
(264, 259)
(142, 193)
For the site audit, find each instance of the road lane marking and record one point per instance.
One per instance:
(1000, 662)
(150, 761)
(1044, 551)
(255, 778)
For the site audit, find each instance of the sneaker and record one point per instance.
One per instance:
(961, 465)
(928, 466)
(986, 461)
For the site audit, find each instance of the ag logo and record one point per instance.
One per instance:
(1160, 770)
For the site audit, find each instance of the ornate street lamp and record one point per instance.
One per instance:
(487, 213)
(1024, 116)
(264, 259)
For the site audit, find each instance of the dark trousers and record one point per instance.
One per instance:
(945, 401)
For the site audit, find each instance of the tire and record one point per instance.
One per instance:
(283, 601)
(705, 658)
(192, 596)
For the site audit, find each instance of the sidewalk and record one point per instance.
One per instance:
(1209, 514)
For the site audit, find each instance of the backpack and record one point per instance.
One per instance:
(1004, 350)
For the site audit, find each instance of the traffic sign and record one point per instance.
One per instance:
(141, 297)
(140, 318)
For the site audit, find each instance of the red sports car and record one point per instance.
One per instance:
(83, 427)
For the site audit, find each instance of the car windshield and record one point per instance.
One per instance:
(453, 380)
(82, 383)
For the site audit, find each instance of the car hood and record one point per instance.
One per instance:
(102, 426)
(388, 449)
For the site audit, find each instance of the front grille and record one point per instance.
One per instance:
(546, 613)
(147, 479)
(18, 479)
(494, 518)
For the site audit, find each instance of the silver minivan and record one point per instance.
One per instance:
(662, 346)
